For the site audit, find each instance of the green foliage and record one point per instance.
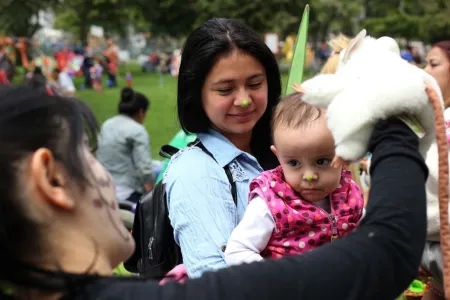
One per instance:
(78, 15)
(412, 19)
(19, 17)
(428, 21)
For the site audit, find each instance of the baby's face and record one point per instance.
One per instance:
(305, 155)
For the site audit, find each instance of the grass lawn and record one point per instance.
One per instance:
(161, 122)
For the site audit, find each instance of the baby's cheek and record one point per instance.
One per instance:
(334, 178)
(291, 178)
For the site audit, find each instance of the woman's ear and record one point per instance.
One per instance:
(49, 179)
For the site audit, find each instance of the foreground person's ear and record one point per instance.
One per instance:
(49, 180)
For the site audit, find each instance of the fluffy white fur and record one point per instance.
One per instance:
(372, 83)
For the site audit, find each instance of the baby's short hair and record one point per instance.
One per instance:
(292, 112)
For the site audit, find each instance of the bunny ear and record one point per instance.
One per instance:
(353, 45)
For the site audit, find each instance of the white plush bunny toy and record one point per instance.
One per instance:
(372, 83)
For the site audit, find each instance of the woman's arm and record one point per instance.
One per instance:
(201, 210)
(377, 261)
(252, 234)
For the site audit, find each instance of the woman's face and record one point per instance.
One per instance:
(234, 94)
(438, 66)
(84, 222)
(103, 211)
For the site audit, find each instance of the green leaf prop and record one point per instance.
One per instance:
(298, 59)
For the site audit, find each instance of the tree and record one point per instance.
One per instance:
(21, 17)
(78, 15)
(414, 19)
(172, 17)
(435, 26)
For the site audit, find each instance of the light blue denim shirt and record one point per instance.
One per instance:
(201, 207)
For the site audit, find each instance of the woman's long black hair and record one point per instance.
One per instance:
(212, 40)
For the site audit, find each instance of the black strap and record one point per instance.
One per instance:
(227, 171)
(167, 151)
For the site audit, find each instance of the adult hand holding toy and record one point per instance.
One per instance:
(373, 83)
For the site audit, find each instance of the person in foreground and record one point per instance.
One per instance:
(61, 234)
(302, 204)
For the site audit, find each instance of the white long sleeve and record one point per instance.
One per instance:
(252, 234)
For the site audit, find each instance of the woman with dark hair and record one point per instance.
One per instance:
(124, 147)
(228, 84)
(61, 234)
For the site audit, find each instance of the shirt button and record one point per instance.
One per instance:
(223, 248)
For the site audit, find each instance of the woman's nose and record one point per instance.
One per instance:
(243, 99)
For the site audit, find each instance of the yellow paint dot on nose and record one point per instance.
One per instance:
(244, 102)
(309, 177)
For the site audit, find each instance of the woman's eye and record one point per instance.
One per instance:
(293, 163)
(323, 162)
(255, 85)
(224, 91)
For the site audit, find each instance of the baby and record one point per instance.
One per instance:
(302, 204)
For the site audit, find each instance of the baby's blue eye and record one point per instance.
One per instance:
(323, 162)
(293, 163)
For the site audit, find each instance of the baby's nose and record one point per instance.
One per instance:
(310, 177)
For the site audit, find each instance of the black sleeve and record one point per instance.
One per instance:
(377, 261)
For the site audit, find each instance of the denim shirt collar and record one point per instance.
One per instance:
(221, 148)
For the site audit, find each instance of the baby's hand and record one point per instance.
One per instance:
(339, 163)
(363, 165)
(298, 88)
